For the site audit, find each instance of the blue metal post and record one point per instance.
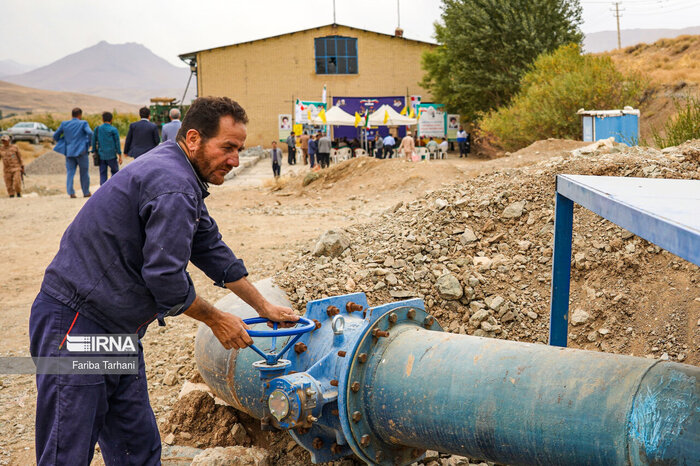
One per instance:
(561, 271)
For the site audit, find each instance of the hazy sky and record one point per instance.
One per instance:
(39, 32)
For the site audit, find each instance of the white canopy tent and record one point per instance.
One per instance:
(335, 116)
(394, 118)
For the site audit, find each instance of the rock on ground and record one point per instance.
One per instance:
(331, 243)
(233, 456)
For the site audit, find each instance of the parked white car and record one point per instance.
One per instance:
(30, 131)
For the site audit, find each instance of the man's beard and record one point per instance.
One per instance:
(198, 159)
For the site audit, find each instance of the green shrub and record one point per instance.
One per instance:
(685, 125)
(557, 85)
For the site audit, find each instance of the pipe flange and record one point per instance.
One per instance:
(372, 448)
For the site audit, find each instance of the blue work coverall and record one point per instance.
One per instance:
(121, 264)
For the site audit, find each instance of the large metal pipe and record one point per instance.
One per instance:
(392, 385)
(521, 403)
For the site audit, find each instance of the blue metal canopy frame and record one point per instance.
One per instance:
(664, 212)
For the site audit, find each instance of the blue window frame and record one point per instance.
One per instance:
(336, 55)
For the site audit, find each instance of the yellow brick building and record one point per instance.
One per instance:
(267, 75)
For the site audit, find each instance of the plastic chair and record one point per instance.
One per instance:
(423, 153)
(335, 154)
(344, 153)
(433, 153)
(443, 153)
(360, 152)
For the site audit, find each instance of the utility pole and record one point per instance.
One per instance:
(398, 12)
(617, 13)
(333, 11)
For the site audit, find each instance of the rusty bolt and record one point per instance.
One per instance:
(332, 311)
(335, 412)
(303, 430)
(352, 307)
(356, 416)
(311, 419)
(379, 333)
(318, 324)
(355, 387)
(362, 357)
(334, 383)
(411, 314)
(300, 348)
(428, 321)
(317, 443)
(393, 317)
(364, 441)
(336, 449)
(342, 354)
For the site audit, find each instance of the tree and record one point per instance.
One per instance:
(485, 46)
(557, 85)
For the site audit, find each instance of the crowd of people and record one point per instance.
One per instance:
(315, 149)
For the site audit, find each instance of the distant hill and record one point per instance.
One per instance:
(10, 67)
(126, 72)
(604, 41)
(20, 99)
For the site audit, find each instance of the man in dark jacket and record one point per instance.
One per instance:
(142, 135)
(121, 265)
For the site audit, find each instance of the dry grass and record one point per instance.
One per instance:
(666, 61)
(277, 184)
(30, 152)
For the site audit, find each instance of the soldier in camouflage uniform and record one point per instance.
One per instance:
(13, 167)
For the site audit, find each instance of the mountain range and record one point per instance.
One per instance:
(16, 99)
(127, 72)
(604, 41)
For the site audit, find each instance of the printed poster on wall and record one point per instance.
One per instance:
(452, 127)
(432, 120)
(415, 102)
(302, 109)
(284, 125)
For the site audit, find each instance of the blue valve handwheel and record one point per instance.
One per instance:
(307, 326)
(272, 358)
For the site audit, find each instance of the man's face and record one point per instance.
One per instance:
(219, 155)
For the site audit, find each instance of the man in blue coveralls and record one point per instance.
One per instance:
(122, 264)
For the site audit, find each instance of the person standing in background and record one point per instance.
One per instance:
(169, 131)
(324, 151)
(304, 138)
(389, 143)
(73, 140)
(462, 141)
(292, 149)
(12, 166)
(105, 142)
(142, 135)
(276, 156)
(313, 150)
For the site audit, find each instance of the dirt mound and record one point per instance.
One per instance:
(51, 163)
(493, 235)
(196, 421)
(551, 145)
(367, 176)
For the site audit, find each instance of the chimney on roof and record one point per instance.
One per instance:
(398, 32)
